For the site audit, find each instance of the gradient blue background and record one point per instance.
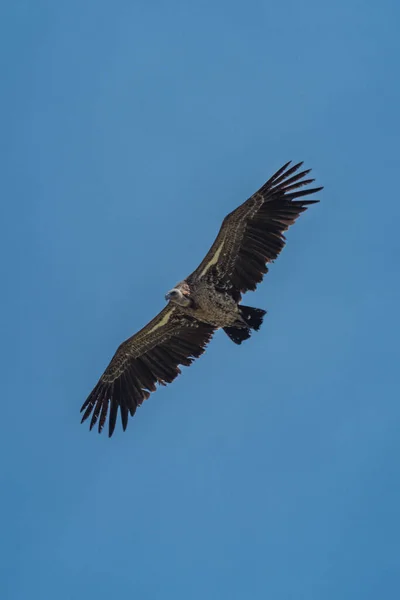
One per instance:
(269, 470)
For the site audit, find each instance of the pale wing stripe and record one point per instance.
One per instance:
(161, 323)
(214, 259)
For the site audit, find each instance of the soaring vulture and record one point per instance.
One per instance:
(207, 300)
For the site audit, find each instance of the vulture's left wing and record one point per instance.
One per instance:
(149, 357)
(252, 235)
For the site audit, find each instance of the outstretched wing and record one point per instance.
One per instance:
(149, 357)
(252, 235)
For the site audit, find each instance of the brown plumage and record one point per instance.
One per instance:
(250, 237)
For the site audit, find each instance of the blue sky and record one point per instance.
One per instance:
(269, 470)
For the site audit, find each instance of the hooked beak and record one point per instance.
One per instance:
(168, 296)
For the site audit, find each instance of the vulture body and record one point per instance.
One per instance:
(209, 299)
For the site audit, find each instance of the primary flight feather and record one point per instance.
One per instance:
(209, 299)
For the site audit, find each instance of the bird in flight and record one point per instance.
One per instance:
(209, 299)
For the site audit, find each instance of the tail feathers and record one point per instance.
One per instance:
(253, 317)
(238, 334)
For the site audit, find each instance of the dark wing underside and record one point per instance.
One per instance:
(148, 358)
(252, 235)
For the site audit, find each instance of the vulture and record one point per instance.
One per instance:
(250, 237)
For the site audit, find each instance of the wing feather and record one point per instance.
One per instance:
(251, 236)
(148, 358)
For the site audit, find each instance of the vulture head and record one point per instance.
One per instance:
(178, 297)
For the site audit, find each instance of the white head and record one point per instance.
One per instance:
(178, 297)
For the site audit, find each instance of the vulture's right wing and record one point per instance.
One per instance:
(149, 357)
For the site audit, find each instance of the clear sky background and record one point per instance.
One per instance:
(269, 470)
